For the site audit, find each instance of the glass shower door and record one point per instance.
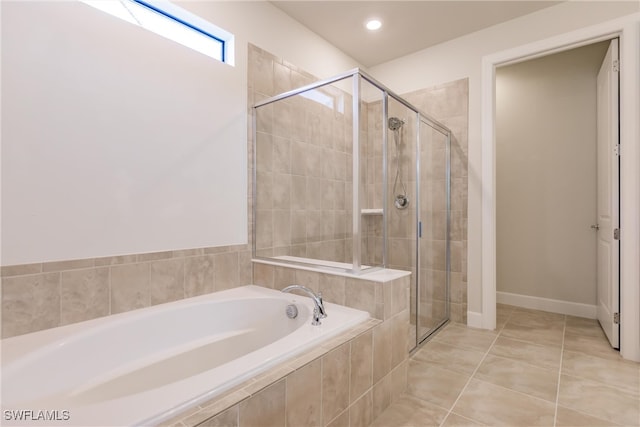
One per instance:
(432, 302)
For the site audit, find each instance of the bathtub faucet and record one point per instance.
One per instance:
(318, 311)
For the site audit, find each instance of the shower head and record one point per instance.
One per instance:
(395, 123)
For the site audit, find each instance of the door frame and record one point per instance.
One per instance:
(627, 29)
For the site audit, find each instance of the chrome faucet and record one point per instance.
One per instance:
(318, 311)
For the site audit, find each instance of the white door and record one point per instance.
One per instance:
(608, 247)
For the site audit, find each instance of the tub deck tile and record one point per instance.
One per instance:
(264, 380)
(251, 387)
(214, 407)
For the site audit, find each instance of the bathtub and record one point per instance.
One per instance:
(148, 365)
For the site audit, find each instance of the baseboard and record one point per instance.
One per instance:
(547, 304)
(474, 319)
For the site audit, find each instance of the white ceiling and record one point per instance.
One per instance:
(407, 26)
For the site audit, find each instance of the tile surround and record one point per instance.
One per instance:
(47, 295)
(313, 389)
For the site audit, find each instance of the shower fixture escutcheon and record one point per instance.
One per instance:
(401, 202)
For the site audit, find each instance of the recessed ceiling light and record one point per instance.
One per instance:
(373, 24)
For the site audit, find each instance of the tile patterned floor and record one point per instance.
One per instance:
(536, 369)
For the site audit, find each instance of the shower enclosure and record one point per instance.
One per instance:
(349, 176)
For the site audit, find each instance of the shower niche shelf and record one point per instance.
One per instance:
(371, 211)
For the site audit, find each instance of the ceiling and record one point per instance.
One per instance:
(407, 26)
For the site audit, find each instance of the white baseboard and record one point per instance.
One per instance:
(474, 319)
(547, 304)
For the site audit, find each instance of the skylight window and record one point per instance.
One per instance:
(174, 23)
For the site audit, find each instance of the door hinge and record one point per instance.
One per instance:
(616, 233)
(616, 318)
(616, 65)
(616, 149)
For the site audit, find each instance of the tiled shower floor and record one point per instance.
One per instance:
(536, 369)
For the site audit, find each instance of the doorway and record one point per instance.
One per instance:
(547, 192)
(628, 31)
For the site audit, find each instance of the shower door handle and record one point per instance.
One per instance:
(420, 229)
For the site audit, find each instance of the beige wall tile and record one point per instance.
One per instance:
(282, 155)
(361, 365)
(283, 277)
(399, 380)
(335, 382)
(264, 153)
(226, 271)
(21, 270)
(166, 281)
(341, 420)
(30, 303)
(399, 295)
(381, 354)
(67, 265)
(130, 287)
(155, 256)
(115, 260)
(399, 337)
(84, 295)
(198, 275)
(228, 418)
(264, 117)
(263, 275)
(303, 396)
(361, 411)
(361, 294)
(282, 191)
(281, 228)
(183, 253)
(265, 408)
(310, 279)
(261, 74)
(333, 288)
(381, 396)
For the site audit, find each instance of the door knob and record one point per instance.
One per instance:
(596, 227)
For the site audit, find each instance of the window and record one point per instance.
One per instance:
(173, 22)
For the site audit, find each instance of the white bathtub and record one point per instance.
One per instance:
(145, 366)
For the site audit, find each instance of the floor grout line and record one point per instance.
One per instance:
(509, 316)
(474, 372)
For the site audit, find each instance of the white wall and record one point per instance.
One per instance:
(462, 58)
(118, 141)
(546, 175)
